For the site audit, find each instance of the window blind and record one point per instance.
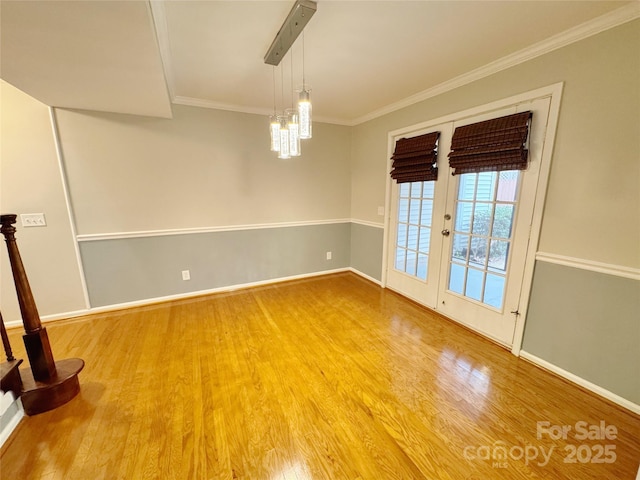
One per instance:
(414, 159)
(493, 145)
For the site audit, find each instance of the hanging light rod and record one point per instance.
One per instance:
(295, 22)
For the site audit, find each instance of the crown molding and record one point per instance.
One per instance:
(580, 32)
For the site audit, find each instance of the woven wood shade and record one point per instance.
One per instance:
(490, 146)
(414, 159)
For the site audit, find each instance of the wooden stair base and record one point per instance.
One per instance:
(10, 377)
(42, 396)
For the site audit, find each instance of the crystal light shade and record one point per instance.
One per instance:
(274, 127)
(304, 110)
(294, 134)
(284, 137)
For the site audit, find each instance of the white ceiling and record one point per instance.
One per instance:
(82, 54)
(362, 58)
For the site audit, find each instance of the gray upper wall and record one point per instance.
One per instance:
(30, 183)
(203, 168)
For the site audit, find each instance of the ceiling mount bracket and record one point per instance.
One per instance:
(293, 25)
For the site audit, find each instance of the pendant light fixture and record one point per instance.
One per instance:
(274, 123)
(294, 132)
(293, 124)
(304, 104)
(284, 125)
(274, 127)
(284, 137)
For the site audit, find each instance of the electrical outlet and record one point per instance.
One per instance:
(328, 255)
(381, 211)
(186, 275)
(33, 220)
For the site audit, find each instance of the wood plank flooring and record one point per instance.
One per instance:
(324, 378)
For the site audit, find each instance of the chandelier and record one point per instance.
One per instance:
(292, 124)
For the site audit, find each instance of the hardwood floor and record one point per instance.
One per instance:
(325, 378)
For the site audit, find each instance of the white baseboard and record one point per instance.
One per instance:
(617, 399)
(364, 275)
(50, 318)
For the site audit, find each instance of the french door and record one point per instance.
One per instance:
(458, 244)
(414, 260)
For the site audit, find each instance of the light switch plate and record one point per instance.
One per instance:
(33, 220)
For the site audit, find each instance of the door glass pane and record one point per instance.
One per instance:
(402, 235)
(498, 255)
(486, 186)
(415, 211)
(428, 190)
(494, 290)
(507, 186)
(411, 262)
(460, 247)
(483, 228)
(478, 251)
(481, 218)
(463, 216)
(423, 265)
(427, 211)
(425, 240)
(412, 237)
(403, 210)
(503, 221)
(456, 278)
(474, 284)
(467, 186)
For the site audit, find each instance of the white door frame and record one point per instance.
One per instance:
(555, 93)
